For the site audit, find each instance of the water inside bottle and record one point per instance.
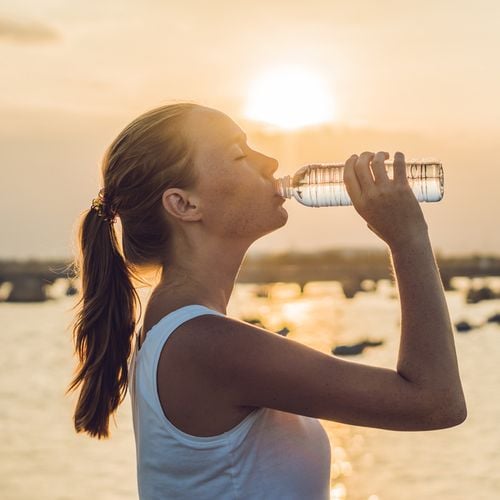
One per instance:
(322, 185)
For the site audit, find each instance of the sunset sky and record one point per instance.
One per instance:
(422, 77)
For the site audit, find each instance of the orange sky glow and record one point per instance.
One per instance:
(309, 82)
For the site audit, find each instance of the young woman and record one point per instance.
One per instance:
(221, 408)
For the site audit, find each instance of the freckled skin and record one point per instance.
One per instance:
(237, 196)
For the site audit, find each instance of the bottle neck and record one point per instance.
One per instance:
(283, 186)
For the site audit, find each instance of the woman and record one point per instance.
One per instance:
(226, 409)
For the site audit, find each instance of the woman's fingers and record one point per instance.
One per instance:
(399, 168)
(350, 180)
(378, 167)
(362, 170)
(364, 173)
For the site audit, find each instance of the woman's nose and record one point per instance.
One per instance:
(270, 165)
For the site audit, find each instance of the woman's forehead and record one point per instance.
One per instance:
(211, 129)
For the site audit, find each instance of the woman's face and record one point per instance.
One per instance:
(235, 183)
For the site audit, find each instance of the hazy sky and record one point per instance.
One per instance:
(72, 74)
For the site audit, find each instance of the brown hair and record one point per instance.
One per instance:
(150, 155)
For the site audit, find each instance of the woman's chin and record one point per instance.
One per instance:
(285, 215)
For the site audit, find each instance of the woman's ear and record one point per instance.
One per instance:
(181, 205)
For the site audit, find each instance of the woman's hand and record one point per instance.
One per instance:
(388, 206)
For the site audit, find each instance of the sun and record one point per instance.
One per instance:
(289, 97)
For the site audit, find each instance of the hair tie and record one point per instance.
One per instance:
(100, 205)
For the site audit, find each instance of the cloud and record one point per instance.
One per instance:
(26, 32)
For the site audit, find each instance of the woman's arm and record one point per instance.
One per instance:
(427, 352)
(248, 366)
(427, 356)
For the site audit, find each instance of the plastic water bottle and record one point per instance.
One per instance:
(322, 184)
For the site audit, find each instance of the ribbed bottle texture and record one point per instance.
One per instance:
(322, 184)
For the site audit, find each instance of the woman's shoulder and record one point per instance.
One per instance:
(158, 308)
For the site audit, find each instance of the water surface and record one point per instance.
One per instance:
(43, 458)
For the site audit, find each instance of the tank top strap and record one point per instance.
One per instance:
(161, 331)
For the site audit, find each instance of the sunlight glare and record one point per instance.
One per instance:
(289, 97)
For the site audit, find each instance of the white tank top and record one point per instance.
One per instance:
(270, 454)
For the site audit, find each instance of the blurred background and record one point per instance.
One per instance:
(331, 78)
(309, 82)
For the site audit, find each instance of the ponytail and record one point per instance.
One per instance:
(103, 327)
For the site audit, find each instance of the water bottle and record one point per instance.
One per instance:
(322, 184)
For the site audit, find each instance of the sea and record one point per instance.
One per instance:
(43, 458)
